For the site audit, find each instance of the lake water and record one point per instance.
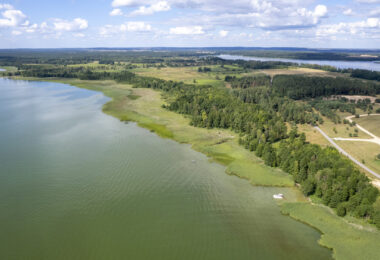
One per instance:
(78, 184)
(365, 65)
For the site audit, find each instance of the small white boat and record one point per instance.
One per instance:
(278, 196)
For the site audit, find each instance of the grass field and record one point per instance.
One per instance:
(371, 123)
(349, 238)
(297, 71)
(9, 68)
(363, 151)
(359, 150)
(185, 74)
(313, 136)
(341, 130)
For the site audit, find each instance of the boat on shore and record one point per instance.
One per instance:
(278, 196)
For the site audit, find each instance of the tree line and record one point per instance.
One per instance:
(302, 87)
(249, 81)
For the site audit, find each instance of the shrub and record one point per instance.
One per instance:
(341, 210)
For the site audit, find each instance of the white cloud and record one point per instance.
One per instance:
(187, 30)
(120, 3)
(75, 25)
(16, 33)
(347, 11)
(32, 28)
(79, 35)
(154, 8)
(116, 12)
(264, 14)
(6, 6)
(320, 11)
(135, 27)
(361, 27)
(223, 33)
(275, 15)
(12, 18)
(372, 22)
(109, 30)
(375, 12)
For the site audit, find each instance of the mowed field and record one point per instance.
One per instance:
(298, 71)
(363, 151)
(371, 123)
(341, 130)
(216, 76)
(313, 136)
(188, 75)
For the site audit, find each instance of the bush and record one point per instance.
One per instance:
(308, 187)
(341, 210)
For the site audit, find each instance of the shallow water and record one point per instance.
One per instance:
(365, 65)
(78, 184)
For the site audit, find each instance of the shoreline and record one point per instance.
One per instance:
(221, 146)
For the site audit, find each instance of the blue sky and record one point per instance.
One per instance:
(188, 23)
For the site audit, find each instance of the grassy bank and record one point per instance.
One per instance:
(349, 238)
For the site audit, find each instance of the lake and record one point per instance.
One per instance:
(365, 65)
(78, 184)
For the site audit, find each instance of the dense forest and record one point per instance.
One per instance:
(248, 82)
(365, 74)
(290, 111)
(301, 87)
